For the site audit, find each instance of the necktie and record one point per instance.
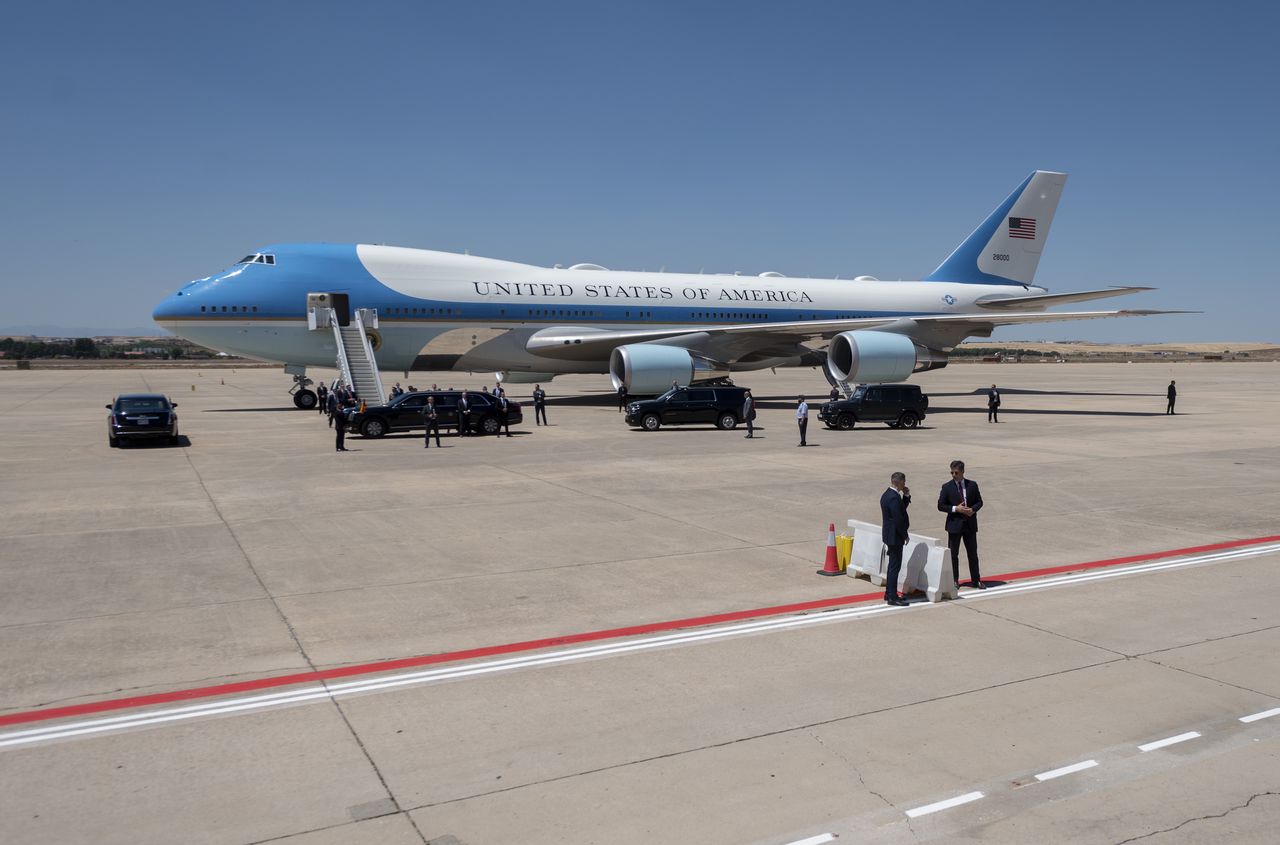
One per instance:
(964, 496)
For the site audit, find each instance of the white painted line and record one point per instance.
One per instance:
(1172, 740)
(1066, 770)
(944, 805)
(820, 839)
(1265, 714)
(331, 690)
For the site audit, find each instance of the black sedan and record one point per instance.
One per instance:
(404, 413)
(141, 415)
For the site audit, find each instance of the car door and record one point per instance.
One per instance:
(676, 408)
(872, 404)
(702, 405)
(407, 413)
(447, 409)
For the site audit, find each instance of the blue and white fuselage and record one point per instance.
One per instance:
(573, 320)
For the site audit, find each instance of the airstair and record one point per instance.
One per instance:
(846, 390)
(356, 361)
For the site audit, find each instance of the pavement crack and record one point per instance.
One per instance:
(995, 615)
(833, 750)
(1207, 817)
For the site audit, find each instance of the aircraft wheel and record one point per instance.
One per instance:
(305, 399)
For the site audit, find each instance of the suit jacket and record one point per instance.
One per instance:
(1172, 391)
(893, 518)
(993, 399)
(430, 412)
(950, 496)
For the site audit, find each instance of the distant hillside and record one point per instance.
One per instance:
(82, 331)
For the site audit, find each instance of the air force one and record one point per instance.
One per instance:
(295, 304)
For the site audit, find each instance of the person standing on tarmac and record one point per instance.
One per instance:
(340, 428)
(504, 413)
(894, 525)
(749, 413)
(322, 397)
(432, 419)
(802, 419)
(464, 415)
(332, 406)
(622, 397)
(993, 405)
(539, 405)
(1172, 393)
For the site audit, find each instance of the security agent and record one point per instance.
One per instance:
(464, 415)
(539, 405)
(504, 413)
(802, 418)
(340, 426)
(993, 405)
(894, 524)
(960, 500)
(432, 419)
(1172, 393)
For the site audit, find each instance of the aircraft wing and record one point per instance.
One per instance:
(730, 343)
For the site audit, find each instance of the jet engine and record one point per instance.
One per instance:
(647, 368)
(867, 356)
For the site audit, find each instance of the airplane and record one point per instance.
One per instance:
(645, 330)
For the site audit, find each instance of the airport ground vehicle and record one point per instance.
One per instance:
(136, 416)
(720, 404)
(899, 405)
(404, 413)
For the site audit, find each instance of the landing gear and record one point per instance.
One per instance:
(304, 398)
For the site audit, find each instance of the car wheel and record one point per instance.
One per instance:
(173, 440)
(650, 422)
(373, 427)
(305, 399)
(844, 422)
(113, 442)
(490, 425)
(908, 420)
(727, 422)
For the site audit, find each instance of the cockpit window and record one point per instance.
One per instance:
(258, 258)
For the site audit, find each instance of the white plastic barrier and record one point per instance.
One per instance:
(925, 564)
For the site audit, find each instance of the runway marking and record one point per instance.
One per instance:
(1236, 549)
(944, 805)
(820, 839)
(1066, 770)
(1170, 740)
(1265, 714)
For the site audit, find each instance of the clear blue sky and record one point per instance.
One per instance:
(146, 144)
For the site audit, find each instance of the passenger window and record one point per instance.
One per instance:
(680, 396)
(702, 395)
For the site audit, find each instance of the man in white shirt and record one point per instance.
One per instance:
(802, 419)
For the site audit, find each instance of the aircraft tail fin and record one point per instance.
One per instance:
(1005, 249)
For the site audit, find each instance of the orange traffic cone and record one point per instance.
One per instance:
(832, 565)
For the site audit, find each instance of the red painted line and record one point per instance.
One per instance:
(109, 705)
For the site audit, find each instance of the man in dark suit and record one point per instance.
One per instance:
(894, 524)
(504, 413)
(1172, 393)
(961, 501)
(340, 427)
(539, 405)
(993, 405)
(464, 415)
(431, 417)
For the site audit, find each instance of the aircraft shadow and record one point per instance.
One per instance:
(282, 409)
(1048, 411)
(1010, 391)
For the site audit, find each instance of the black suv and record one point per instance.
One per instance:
(899, 405)
(142, 415)
(404, 413)
(720, 405)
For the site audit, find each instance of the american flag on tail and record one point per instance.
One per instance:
(1022, 227)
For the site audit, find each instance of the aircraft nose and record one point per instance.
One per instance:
(170, 307)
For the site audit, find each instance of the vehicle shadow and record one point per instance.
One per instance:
(155, 443)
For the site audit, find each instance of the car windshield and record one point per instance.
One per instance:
(860, 391)
(141, 406)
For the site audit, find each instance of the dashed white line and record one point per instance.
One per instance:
(820, 839)
(1066, 770)
(1169, 740)
(944, 805)
(1265, 714)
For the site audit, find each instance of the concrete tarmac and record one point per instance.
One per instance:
(254, 550)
